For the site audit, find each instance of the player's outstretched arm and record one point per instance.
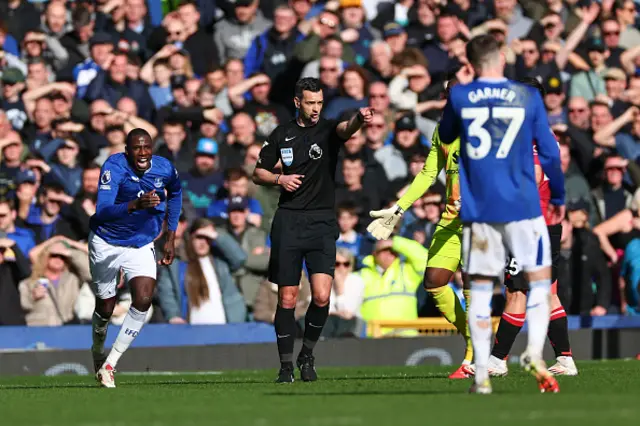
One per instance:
(347, 128)
(423, 180)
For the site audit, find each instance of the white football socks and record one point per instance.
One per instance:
(99, 327)
(538, 309)
(481, 327)
(131, 326)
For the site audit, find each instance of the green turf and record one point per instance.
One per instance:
(604, 393)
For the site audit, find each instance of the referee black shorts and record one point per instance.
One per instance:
(297, 236)
(514, 279)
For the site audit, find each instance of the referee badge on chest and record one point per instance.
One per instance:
(157, 182)
(315, 152)
(287, 156)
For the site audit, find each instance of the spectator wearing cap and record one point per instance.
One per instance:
(325, 26)
(589, 84)
(395, 36)
(12, 87)
(356, 30)
(270, 52)
(11, 151)
(583, 264)
(114, 84)
(23, 237)
(49, 295)
(19, 16)
(201, 290)
(77, 42)
(625, 12)
(615, 82)
(14, 267)
(54, 25)
(253, 241)
(233, 35)
(100, 48)
(613, 135)
(203, 181)
(554, 100)
(400, 146)
(611, 197)
(236, 184)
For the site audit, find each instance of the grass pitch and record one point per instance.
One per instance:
(605, 393)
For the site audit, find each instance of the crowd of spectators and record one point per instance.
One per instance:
(210, 79)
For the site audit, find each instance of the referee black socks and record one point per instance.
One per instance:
(313, 324)
(285, 325)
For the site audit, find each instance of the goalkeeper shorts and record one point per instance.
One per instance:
(445, 250)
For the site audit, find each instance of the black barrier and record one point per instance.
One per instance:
(446, 350)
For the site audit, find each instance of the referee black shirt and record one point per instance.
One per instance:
(308, 151)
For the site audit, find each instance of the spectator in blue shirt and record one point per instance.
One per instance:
(237, 185)
(24, 238)
(101, 46)
(204, 180)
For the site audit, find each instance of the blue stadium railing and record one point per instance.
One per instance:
(159, 335)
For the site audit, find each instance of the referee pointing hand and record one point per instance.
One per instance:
(304, 227)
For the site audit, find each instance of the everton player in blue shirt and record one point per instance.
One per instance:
(137, 192)
(497, 120)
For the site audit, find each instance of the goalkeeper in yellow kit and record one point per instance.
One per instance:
(446, 246)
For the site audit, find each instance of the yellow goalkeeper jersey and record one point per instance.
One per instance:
(441, 156)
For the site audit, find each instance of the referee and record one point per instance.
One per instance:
(304, 227)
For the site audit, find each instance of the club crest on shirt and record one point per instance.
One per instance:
(106, 177)
(287, 156)
(157, 182)
(315, 152)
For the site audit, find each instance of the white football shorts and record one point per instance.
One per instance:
(106, 261)
(483, 246)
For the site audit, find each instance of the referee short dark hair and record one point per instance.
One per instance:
(309, 84)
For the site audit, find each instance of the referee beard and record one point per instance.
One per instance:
(301, 156)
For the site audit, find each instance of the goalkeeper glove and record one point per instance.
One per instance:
(385, 222)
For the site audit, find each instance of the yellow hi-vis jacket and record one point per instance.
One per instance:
(391, 294)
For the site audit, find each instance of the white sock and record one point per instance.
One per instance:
(538, 309)
(481, 327)
(99, 327)
(131, 326)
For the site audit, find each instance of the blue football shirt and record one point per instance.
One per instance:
(120, 184)
(497, 121)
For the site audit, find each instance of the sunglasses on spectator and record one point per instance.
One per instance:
(577, 110)
(343, 264)
(377, 95)
(3, 215)
(529, 51)
(611, 33)
(328, 69)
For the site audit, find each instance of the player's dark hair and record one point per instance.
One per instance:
(137, 133)
(535, 83)
(308, 84)
(235, 173)
(481, 48)
(353, 157)
(172, 123)
(347, 207)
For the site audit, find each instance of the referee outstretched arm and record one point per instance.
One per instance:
(301, 157)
